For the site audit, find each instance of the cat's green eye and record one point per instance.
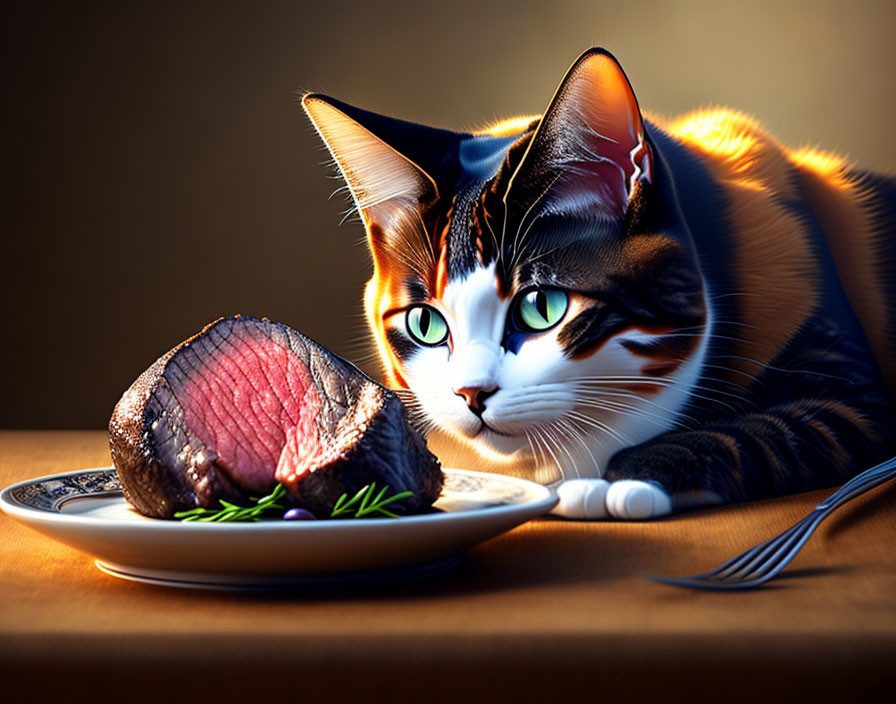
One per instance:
(541, 309)
(426, 325)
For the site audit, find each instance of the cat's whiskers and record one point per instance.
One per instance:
(548, 252)
(559, 435)
(589, 436)
(618, 435)
(407, 258)
(415, 256)
(543, 462)
(759, 363)
(416, 413)
(504, 221)
(721, 367)
(432, 258)
(716, 322)
(598, 400)
(360, 350)
(514, 258)
(619, 407)
(609, 395)
(551, 437)
(714, 335)
(550, 446)
(348, 215)
(531, 446)
(646, 420)
(539, 456)
(766, 365)
(669, 383)
(492, 231)
(518, 252)
(623, 377)
(732, 294)
(579, 435)
(548, 459)
(611, 407)
(340, 190)
(364, 343)
(539, 432)
(541, 255)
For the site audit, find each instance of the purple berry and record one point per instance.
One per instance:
(298, 514)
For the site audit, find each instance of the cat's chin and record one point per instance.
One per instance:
(494, 446)
(488, 444)
(497, 453)
(508, 446)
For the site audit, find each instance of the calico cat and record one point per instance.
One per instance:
(652, 315)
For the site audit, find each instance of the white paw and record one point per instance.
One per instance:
(637, 500)
(592, 499)
(582, 498)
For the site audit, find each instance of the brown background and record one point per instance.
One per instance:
(158, 173)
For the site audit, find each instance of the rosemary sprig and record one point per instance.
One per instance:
(364, 505)
(231, 512)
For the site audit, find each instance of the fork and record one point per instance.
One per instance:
(758, 565)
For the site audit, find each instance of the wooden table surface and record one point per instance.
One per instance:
(552, 609)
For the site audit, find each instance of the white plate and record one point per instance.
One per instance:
(86, 510)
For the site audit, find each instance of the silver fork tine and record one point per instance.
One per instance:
(773, 567)
(773, 548)
(794, 537)
(785, 554)
(697, 583)
(736, 562)
(765, 561)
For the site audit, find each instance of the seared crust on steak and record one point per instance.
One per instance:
(158, 483)
(249, 402)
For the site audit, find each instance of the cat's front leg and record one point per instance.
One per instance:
(799, 445)
(592, 499)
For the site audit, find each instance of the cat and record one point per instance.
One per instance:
(650, 316)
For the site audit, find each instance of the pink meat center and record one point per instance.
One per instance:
(303, 452)
(252, 403)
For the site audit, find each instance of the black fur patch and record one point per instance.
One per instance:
(589, 329)
(403, 347)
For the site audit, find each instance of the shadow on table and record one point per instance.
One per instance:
(555, 552)
(546, 552)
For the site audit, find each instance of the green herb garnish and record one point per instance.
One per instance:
(258, 510)
(362, 505)
(365, 505)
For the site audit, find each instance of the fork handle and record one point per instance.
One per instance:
(859, 484)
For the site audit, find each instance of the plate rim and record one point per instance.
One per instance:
(14, 508)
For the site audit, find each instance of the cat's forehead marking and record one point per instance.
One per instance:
(475, 305)
(462, 240)
(474, 237)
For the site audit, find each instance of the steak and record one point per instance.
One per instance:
(247, 403)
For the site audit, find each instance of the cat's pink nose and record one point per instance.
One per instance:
(475, 397)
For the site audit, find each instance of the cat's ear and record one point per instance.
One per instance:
(589, 149)
(376, 155)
